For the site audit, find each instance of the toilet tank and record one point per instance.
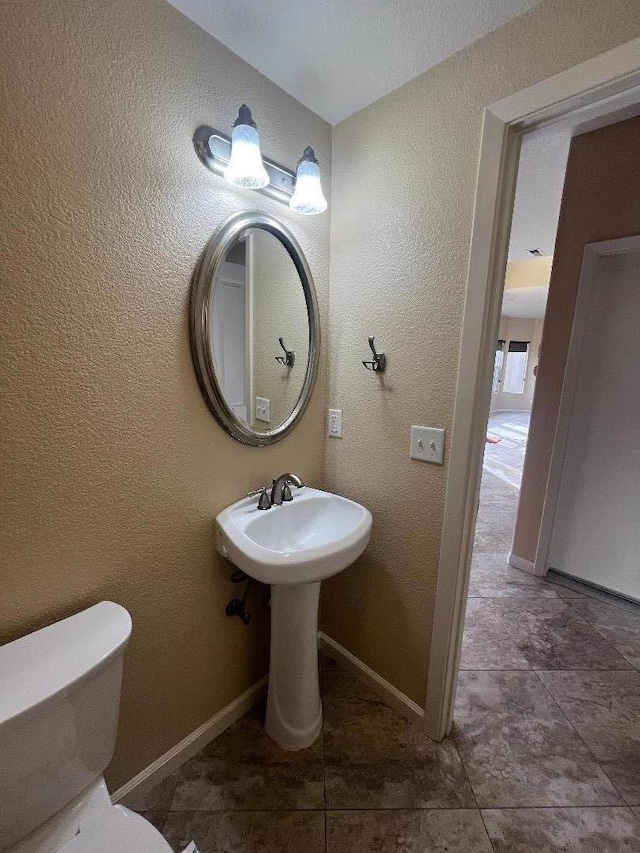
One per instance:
(59, 701)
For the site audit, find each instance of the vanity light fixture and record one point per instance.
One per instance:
(307, 197)
(238, 159)
(245, 167)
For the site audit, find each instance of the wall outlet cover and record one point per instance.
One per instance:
(334, 423)
(263, 409)
(427, 444)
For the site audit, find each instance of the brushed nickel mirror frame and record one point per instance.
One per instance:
(200, 325)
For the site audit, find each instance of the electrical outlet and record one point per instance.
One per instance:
(263, 409)
(334, 423)
(427, 444)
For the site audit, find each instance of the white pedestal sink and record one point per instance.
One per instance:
(293, 548)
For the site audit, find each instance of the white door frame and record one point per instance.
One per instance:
(602, 86)
(586, 291)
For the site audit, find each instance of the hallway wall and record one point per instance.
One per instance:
(601, 201)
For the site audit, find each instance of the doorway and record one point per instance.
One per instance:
(232, 339)
(540, 179)
(595, 536)
(590, 94)
(539, 183)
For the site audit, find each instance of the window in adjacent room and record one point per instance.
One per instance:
(515, 372)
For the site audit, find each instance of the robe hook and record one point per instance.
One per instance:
(289, 357)
(379, 363)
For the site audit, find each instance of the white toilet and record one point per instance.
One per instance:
(59, 701)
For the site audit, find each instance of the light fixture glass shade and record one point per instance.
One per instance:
(307, 196)
(246, 168)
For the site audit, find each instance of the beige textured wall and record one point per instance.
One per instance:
(280, 310)
(601, 201)
(404, 173)
(112, 466)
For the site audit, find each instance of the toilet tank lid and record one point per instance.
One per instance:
(38, 666)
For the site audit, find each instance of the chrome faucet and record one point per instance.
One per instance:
(280, 490)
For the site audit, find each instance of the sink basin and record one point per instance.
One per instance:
(308, 539)
(294, 547)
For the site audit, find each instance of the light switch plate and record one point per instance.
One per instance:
(334, 423)
(427, 444)
(263, 409)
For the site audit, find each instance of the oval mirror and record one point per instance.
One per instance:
(254, 328)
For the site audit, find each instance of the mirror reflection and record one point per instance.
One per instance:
(257, 298)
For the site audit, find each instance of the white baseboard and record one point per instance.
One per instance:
(377, 683)
(130, 794)
(188, 746)
(522, 564)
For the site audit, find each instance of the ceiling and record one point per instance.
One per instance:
(337, 56)
(543, 162)
(527, 303)
(541, 171)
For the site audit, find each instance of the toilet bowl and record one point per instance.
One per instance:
(59, 708)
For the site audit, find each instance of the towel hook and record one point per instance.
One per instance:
(379, 363)
(289, 358)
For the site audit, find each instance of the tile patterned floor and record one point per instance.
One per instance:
(544, 756)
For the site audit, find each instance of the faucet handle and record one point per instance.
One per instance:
(286, 493)
(264, 501)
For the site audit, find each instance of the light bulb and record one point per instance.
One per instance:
(246, 168)
(307, 197)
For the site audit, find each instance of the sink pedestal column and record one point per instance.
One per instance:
(294, 711)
